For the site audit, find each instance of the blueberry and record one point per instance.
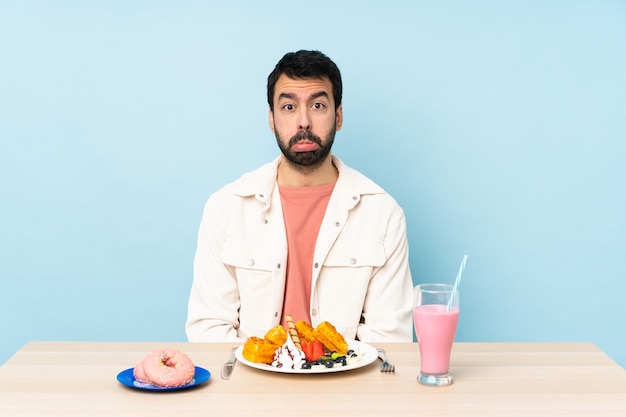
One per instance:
(350, 352)
(306, 365)
(329, 363)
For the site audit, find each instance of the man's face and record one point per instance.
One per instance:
(304, 119)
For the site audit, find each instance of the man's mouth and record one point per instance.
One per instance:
(304, 146)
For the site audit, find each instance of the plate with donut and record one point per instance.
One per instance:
(164, 369)
(127, 378)
(302, 349)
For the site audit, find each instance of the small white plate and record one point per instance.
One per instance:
(367, 353)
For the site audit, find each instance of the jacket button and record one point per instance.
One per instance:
(314, 312)
(265, 221)
(278, 266)
(316, 265)
(337, 224)
(250, 262)
(352, 261)
(355, 198)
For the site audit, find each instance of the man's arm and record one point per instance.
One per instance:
(389, 301)
(213, 310)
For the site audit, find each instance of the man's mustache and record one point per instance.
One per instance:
(305, 135)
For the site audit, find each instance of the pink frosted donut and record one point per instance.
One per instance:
(165, 368)
(139, 373)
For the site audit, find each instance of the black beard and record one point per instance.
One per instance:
(310, 159)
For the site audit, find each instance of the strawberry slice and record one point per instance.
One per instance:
(307, 348)
(317, 350)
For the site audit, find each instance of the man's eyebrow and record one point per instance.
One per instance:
(320, 94)
(292, 96)
(289, 96)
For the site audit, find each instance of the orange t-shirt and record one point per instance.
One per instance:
(303, 210)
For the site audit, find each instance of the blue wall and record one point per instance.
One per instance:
(500, 127)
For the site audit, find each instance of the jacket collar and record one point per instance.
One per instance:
(262, 182)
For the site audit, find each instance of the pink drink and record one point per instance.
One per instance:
(435, 329)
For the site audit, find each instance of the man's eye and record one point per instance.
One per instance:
(288, 107)
(318, 106)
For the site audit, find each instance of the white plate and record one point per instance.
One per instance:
(367, 353)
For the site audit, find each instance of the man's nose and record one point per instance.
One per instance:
(304, 121)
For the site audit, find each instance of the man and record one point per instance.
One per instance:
(304, 235)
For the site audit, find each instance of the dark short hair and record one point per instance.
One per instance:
(305, 64)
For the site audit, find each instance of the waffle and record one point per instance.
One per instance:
(259, 350)
(305, 331)
(330, 338)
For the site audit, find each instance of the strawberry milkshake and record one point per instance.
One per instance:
(435, 327)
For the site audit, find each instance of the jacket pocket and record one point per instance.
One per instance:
(355, 254)
(245, 255)
(341, 288)
(253, 272)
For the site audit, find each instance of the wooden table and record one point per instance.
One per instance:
(491, 379)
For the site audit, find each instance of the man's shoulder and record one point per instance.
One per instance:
(252, 182)
(369, 191)
(357, 180)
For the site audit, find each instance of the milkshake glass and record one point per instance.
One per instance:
(435, 317)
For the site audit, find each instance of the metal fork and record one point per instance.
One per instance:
(386, 366)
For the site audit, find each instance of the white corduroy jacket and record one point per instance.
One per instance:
(361, 282)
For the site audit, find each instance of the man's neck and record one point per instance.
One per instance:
(292, 175)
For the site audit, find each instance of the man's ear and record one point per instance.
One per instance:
(271, 119)
(339, 117)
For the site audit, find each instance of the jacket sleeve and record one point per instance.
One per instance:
(389, 301)
(214, 300)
